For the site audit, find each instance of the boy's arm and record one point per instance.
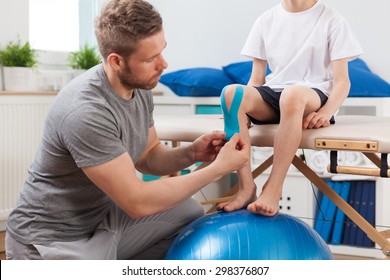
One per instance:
(258, 74)
(340, 91)
(341, 86)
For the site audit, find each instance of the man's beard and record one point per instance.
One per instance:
(128, 81)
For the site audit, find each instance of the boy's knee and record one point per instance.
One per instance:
(291, 99)
(229, 92)
(231, 99)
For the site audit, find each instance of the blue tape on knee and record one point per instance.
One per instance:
(231, 122)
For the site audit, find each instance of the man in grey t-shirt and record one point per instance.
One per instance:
(82, 198)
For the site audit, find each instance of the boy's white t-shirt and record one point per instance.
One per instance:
(299, 47)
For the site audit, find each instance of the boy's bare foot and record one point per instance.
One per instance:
(242, 198)
(267, 204)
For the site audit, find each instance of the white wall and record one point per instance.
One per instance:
(13, 20)
(212, 32)
(13, 23)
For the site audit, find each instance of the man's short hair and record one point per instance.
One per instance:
(122, 23)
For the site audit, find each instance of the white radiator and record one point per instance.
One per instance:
(21, 124)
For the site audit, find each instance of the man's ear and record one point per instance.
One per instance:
(115, 61)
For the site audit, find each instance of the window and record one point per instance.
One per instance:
(54, 25)
(58, 27)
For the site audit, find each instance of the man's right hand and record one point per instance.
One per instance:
(234, 154)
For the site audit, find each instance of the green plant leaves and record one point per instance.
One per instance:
(15, 54)
(85, 58)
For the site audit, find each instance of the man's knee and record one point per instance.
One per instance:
(190, 210)
(185, 213)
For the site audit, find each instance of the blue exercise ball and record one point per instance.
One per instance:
(242, 235)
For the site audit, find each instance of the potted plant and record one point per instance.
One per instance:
(85, 58)
(18, 61)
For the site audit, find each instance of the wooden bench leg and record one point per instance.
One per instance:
(371, 231)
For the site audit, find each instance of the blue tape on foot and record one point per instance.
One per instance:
(230, 117)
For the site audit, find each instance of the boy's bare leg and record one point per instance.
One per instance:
(247, 188)
(297, 102)
(286, 143)
(246, 193)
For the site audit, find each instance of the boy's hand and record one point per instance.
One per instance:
(315, 120)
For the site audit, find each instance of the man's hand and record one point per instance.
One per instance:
(234, 155)
(206, 147)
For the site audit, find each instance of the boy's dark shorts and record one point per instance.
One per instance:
(272, 97)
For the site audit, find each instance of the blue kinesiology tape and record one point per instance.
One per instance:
(231, 123)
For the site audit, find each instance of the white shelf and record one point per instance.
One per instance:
(379, 106)
(357, 251)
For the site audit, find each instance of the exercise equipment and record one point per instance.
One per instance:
(242, 235)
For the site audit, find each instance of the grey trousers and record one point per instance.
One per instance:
(116, 237)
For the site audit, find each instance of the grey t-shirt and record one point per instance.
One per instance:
(88, 124)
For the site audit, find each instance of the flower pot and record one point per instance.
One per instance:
(19, 79)
(1, 78)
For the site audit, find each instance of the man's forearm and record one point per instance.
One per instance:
(163, 160)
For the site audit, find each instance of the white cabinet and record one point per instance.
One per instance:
(174, 105)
